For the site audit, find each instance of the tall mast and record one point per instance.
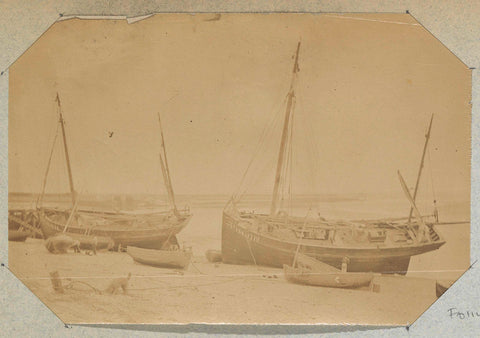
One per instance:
(283, 142)
(166, 171)
(67, 158)
(427, 137)
(422, 233)
(44, 185)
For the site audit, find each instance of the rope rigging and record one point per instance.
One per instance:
(431, 175)
(266, 132)
(44, 184)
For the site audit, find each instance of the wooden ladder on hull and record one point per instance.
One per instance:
(433, 234)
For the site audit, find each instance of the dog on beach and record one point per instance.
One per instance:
(117, 284)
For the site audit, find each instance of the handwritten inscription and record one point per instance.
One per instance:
(454, 313)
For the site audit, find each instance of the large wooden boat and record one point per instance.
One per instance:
(145, 231)
(141, 229)
(161, 258)
(383, 246)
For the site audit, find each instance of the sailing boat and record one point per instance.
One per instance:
(383, 246)
(145, 230)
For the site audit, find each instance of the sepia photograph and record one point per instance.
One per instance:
(239, 168)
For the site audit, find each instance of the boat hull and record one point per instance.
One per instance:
(160, 258)
(151, 237)
(17, 235)
(243, 246)
(327, 279)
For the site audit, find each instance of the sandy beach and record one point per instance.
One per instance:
(220, 293)
(211, 292)
(207, 292)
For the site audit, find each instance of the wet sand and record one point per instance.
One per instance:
(207, 292)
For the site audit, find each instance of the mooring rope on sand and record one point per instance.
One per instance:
(189, 286)
(69, 286)
(196, 268)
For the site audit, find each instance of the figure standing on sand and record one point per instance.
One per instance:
(435, 211)
(345, 262)
(320, 217)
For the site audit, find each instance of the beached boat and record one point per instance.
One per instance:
(146, 231)
(23, 221)
(178, 259)
(141, 229)
(340, 279)
(383, 246)
(309, 271)
(17, 235)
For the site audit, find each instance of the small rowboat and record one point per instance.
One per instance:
(17, 235)
(441, 286)
(327, 279)
(161, 258)
(313, 272)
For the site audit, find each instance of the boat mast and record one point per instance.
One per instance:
(67, 158)
(422, 233)
(427, 137)
(166, 171)
(44, 185)
(281, 154)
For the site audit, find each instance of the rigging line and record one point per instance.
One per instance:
(286, 184)
(314, 170)
(284, 174)
(301, 237)
(44, 185)
(274, 122)
(312, 153)
(260, 177)
(268, 160)
(290, 156)
(263, 136)
(287, 170)
(281, 183)
(52, 130)
(310, 144)
(73, 154)
(60, 173)
(431, 174)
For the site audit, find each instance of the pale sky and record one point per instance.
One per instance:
(367, 87)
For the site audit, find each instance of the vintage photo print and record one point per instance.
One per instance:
(239, 168)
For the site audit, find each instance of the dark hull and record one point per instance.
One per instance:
(24, 220)
(243, 246)
(17, 235)
(152, 237)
